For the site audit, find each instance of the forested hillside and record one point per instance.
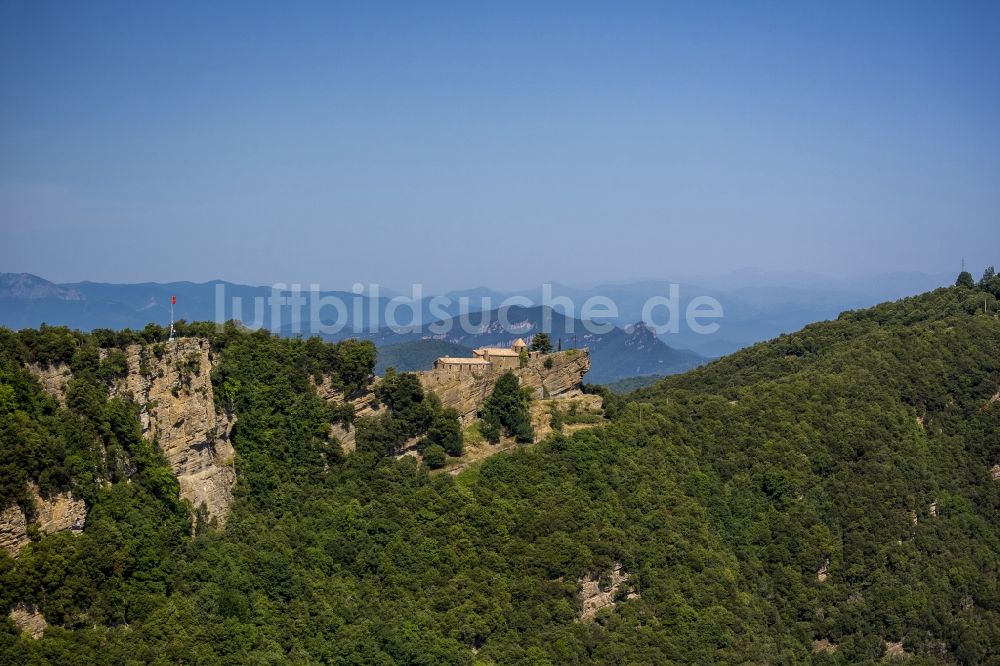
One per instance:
(825, 497)
(866, 449)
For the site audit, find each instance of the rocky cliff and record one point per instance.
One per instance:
(28, 619)
(365, 405)
(466, 391)
(52, 379)
(171, 383)
(61, 511)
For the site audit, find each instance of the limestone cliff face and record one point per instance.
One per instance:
(53, 379)
(28, 619)
(466, 391)
(62, 511)
(172, 385)
(365, 406)
(13, 529)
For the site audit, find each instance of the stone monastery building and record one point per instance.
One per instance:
(488, 358)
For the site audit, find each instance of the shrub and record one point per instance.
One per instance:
(434, 456)
(114, 365)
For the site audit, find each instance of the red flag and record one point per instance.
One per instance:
(173, 300)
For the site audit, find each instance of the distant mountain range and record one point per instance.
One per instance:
(757, 305)
(614, 353)
(416, 355)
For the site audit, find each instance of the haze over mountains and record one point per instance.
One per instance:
(272, 283)
(615, 352)
(757, 305)
(829, 497)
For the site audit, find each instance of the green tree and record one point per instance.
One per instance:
(434, 456)
(506, 411)
(990, 282)
(446, 431)
(352, 361)
(114, 365)
(404, 395)
(722, 491)
(541, 343)
(965, 280)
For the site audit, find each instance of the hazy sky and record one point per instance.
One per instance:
(458, 144)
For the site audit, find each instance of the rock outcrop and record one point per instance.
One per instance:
(62, 511)
(53, 379)
(13, 530)
(467, 390)
(994, 398)
(541, 413)
(28, 619)
(894, 651)
(171, 382)
(365, 405)
(172, 385)
(594, 596)
(824, 571)
(824, 645)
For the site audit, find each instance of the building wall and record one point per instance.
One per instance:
(465, 391)
(505, 362)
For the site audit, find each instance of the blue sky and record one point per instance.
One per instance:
(457, 144)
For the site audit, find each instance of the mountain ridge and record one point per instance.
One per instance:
(757, 305)
(615, 353)
(825, 497)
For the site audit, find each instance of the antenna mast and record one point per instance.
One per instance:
(173, 301)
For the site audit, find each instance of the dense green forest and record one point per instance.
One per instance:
(630, 384)
(860, 448)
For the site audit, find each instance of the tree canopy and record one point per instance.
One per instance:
(831, 488)
(541, 342)
(505, 411)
